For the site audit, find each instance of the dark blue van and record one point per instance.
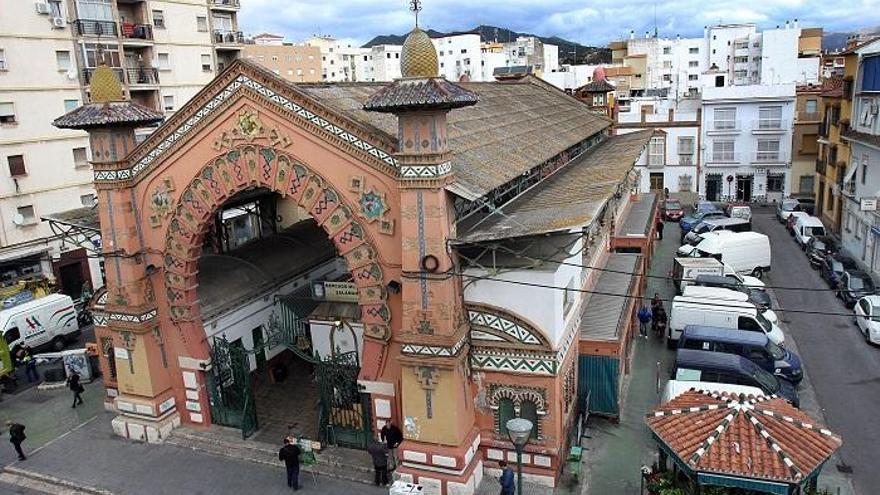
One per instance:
(754, 346)
(720, 367)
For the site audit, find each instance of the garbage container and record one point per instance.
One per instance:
(402, 488)
(77, 360)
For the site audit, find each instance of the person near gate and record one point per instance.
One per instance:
(506, 478)
(392, 436)
(379, 453)
(16, 437)
(644, 318)
(289, 453)
(75, 387)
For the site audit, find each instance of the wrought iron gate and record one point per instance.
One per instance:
(345, 411)
(229, 386)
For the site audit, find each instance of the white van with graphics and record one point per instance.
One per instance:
(738, 315)
(47, 322)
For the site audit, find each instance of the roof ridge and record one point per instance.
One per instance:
(774, 445)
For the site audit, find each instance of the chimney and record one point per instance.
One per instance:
(647, 34)
(796, 24)
(632, 34)
(786, 24)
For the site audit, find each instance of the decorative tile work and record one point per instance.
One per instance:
(425, 171)
(160, 202)
(102, 318)
(427, 350)
(516, 330)
(243, 81)
(495, 360)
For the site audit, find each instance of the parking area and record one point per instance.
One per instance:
(617, 450)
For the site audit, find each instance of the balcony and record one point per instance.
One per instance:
(89, 27)
(811, 117)
(766, 157)
(723, 158)
(87, 74)
(142, 76)
(136, 33)
(769, 126)
(723, 127)
(225, 4)
(820, 167)
(228, 38)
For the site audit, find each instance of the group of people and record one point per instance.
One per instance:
(656, 316)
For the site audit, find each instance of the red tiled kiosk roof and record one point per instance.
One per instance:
(761, 438)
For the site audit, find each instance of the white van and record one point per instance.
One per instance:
(718, 313)
(745, 252)
(716, 225)
(47, 322)
(806, 228)
(720, 293)
(674, 388)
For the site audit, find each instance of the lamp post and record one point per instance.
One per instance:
(519, 430)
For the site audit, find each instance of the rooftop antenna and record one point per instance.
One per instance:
(656, 33)
(415, 6)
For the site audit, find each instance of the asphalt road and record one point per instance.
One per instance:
(86, 335)
(845, 371)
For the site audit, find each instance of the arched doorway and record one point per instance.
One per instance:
(260, 180)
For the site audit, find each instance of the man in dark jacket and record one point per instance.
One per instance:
(392, 436)
(16, 437)
(290, 455)
(379, 453)
(506, 478)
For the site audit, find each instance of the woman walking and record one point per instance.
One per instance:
(75, 387)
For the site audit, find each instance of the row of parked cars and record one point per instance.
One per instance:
(722, 323)
(852, 285)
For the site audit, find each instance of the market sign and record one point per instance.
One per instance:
(335, 291)
(868, 204)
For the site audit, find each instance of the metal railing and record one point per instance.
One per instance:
(90, 27)
(723, 157)
(142, 75)
(137, 31)
(808, 116)
(820, 166)
(725, 125)
(769, 125)
(225, 3)
(770, 157)
(87, 74)
(228, 37)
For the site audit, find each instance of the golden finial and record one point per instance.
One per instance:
(415, 6)
(105, 86)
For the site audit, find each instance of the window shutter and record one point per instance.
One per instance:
(528, 410)
(505, 414)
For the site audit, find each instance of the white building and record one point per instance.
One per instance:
(162, 51)
(671, 64)
(385, 63)
(460, 54)
(342, 62)
(746, 140)
(860, 231)
(671, 160)
(569, 77)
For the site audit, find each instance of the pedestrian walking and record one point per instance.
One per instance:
(644, 319)
(75, 387)
(16, 437)
(506, 478)
(392, 436)
(379, 453)
(659, 320)
(289, 453)
(660, 226)
(25, 356)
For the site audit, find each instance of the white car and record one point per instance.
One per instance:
(867, 316)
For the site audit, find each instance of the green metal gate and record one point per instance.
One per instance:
(345, 412)
(229, 387)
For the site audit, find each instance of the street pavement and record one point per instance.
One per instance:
(86, 335)
(845, 371)
(616, 451)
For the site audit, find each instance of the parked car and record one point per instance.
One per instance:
(721, 367)
(672, 210)
(819, 247)
(725, 294)
(704, 205)
(805, 228)
(715, 225)
(734, 210)
(854, 285)
(867, 316)
(833, 266)
(758, 296)
(674, 388)
(785, 207)
(737, 315)
(753, 346)
(745, 252)
(792, 219)
(688, 222)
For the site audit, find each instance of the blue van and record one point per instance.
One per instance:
(720, 367)
(754, 346)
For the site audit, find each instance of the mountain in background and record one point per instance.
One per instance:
(837, 40)
(567, 49)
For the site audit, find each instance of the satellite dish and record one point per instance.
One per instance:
(18, 219)
(71, 75)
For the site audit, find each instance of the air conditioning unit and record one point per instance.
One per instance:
(58, 22)
(42, 7)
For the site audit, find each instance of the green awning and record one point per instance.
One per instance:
(746, 484)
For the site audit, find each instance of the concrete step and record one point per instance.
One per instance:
(348, 465)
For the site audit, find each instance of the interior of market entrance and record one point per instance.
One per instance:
(279, 307)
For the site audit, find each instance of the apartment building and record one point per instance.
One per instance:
(804, 142)
(672, 159)
(343, 62)
(747, 137)
(48, 52)
(296, 63)
(860, 186)
(460, 55)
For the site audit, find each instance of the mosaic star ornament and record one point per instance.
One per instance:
(373, 205)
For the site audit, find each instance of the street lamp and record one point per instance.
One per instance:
(519, 430)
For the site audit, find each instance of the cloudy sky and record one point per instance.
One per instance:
(592, 23)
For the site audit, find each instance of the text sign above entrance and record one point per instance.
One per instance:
(335, 291)
(868, 204)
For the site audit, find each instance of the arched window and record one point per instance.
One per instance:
(505, 414)
(528, 410)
